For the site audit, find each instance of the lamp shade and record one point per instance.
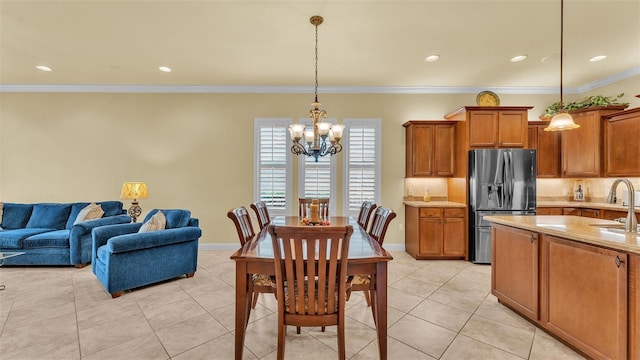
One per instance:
(560, 122)
(134, 190)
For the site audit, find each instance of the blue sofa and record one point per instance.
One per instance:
(47, 235)
(123, 258)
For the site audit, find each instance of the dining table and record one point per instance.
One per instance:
(366, 256)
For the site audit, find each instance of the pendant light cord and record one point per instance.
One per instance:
(561, 48)
(316, 88)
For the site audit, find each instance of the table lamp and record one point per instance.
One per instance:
(135, 191)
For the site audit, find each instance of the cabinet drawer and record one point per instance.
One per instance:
(454, 213)
(430, 212)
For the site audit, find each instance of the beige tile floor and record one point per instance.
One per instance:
(437, 310)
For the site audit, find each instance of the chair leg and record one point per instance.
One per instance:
(298, 330)
(255, 300)
(116, 294)
(341, 341)
(373, 305)
(366, 297)
(322, 329)
(190, 275)
(282, 332)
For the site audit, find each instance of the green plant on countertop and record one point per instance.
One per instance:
(591, 101)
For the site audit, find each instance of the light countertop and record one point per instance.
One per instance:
(576, 228)
(442, 204)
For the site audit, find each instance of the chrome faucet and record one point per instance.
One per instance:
(631, 223)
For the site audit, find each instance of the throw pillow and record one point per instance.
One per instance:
(1, 207)
(49, 216)
(157, 222)
(90, 212)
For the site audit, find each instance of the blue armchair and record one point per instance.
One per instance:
(123, 258)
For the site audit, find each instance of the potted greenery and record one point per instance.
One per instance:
(591, 101)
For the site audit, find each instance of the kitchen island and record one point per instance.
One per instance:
(577, 278)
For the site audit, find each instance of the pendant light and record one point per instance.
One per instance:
(323, 138)
(562, 120)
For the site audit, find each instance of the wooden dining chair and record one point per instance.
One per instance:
(363, 282)
(366, 209)
(311, 278)
(262, 213)
(304, 203)
(260, 283)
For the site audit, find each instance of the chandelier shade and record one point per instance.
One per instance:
(323, 138)
(562, 120)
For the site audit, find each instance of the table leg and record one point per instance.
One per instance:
(243, 306)
(381, 307)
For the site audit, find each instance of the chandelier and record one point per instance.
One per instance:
(323, 139)
(562, 120)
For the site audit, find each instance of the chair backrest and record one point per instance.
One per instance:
(304, 203)
(381, 219)
(262, 213)
(324, 291)
(242, 220)
(366, 209)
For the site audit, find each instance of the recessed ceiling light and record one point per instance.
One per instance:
(598, 58)
(164, 69)
(518, 58)
(43, 68)
(432, 58)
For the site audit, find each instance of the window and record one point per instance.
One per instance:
(272, 164)
(361, 163)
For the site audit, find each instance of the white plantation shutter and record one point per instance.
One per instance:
(318, 179)
(272, 164)
(362, 163)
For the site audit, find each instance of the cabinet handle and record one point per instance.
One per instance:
(618, 261)
(533, 238)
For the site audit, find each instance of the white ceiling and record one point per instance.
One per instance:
(361, 43)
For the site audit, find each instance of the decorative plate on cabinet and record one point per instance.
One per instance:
(487, 98)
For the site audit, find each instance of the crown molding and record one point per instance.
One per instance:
(258, 89)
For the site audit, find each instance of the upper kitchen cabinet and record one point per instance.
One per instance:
(493, 126)
(621, 145)
(581, 149)
(430, 148)
(547, 145)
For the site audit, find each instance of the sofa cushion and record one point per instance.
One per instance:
(176, 218)
(1, 207)
(75, 210)
(56, 238)
(13, 239)
(49, 216)
(15, 216)
(90, 212)
(111, 208)
(156, 223)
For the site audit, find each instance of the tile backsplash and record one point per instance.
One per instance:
(595, 189)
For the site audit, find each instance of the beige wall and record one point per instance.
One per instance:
(194, 151)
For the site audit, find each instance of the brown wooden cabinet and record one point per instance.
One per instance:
(592, 213)
(547, 145)
(435, 232)
(581, 149)
(493, 126)
(548, 211)
(430, 149)
(584, 296)
(514, 275)
(621, 143)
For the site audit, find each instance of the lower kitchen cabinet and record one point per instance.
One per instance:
(514, 279)
(584, 296)
(435, 232)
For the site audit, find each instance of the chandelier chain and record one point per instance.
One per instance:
(561, 48)
(316, 88)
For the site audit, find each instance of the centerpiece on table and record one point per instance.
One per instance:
(314, 216)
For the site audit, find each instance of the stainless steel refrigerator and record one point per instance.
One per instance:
(501, 182)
